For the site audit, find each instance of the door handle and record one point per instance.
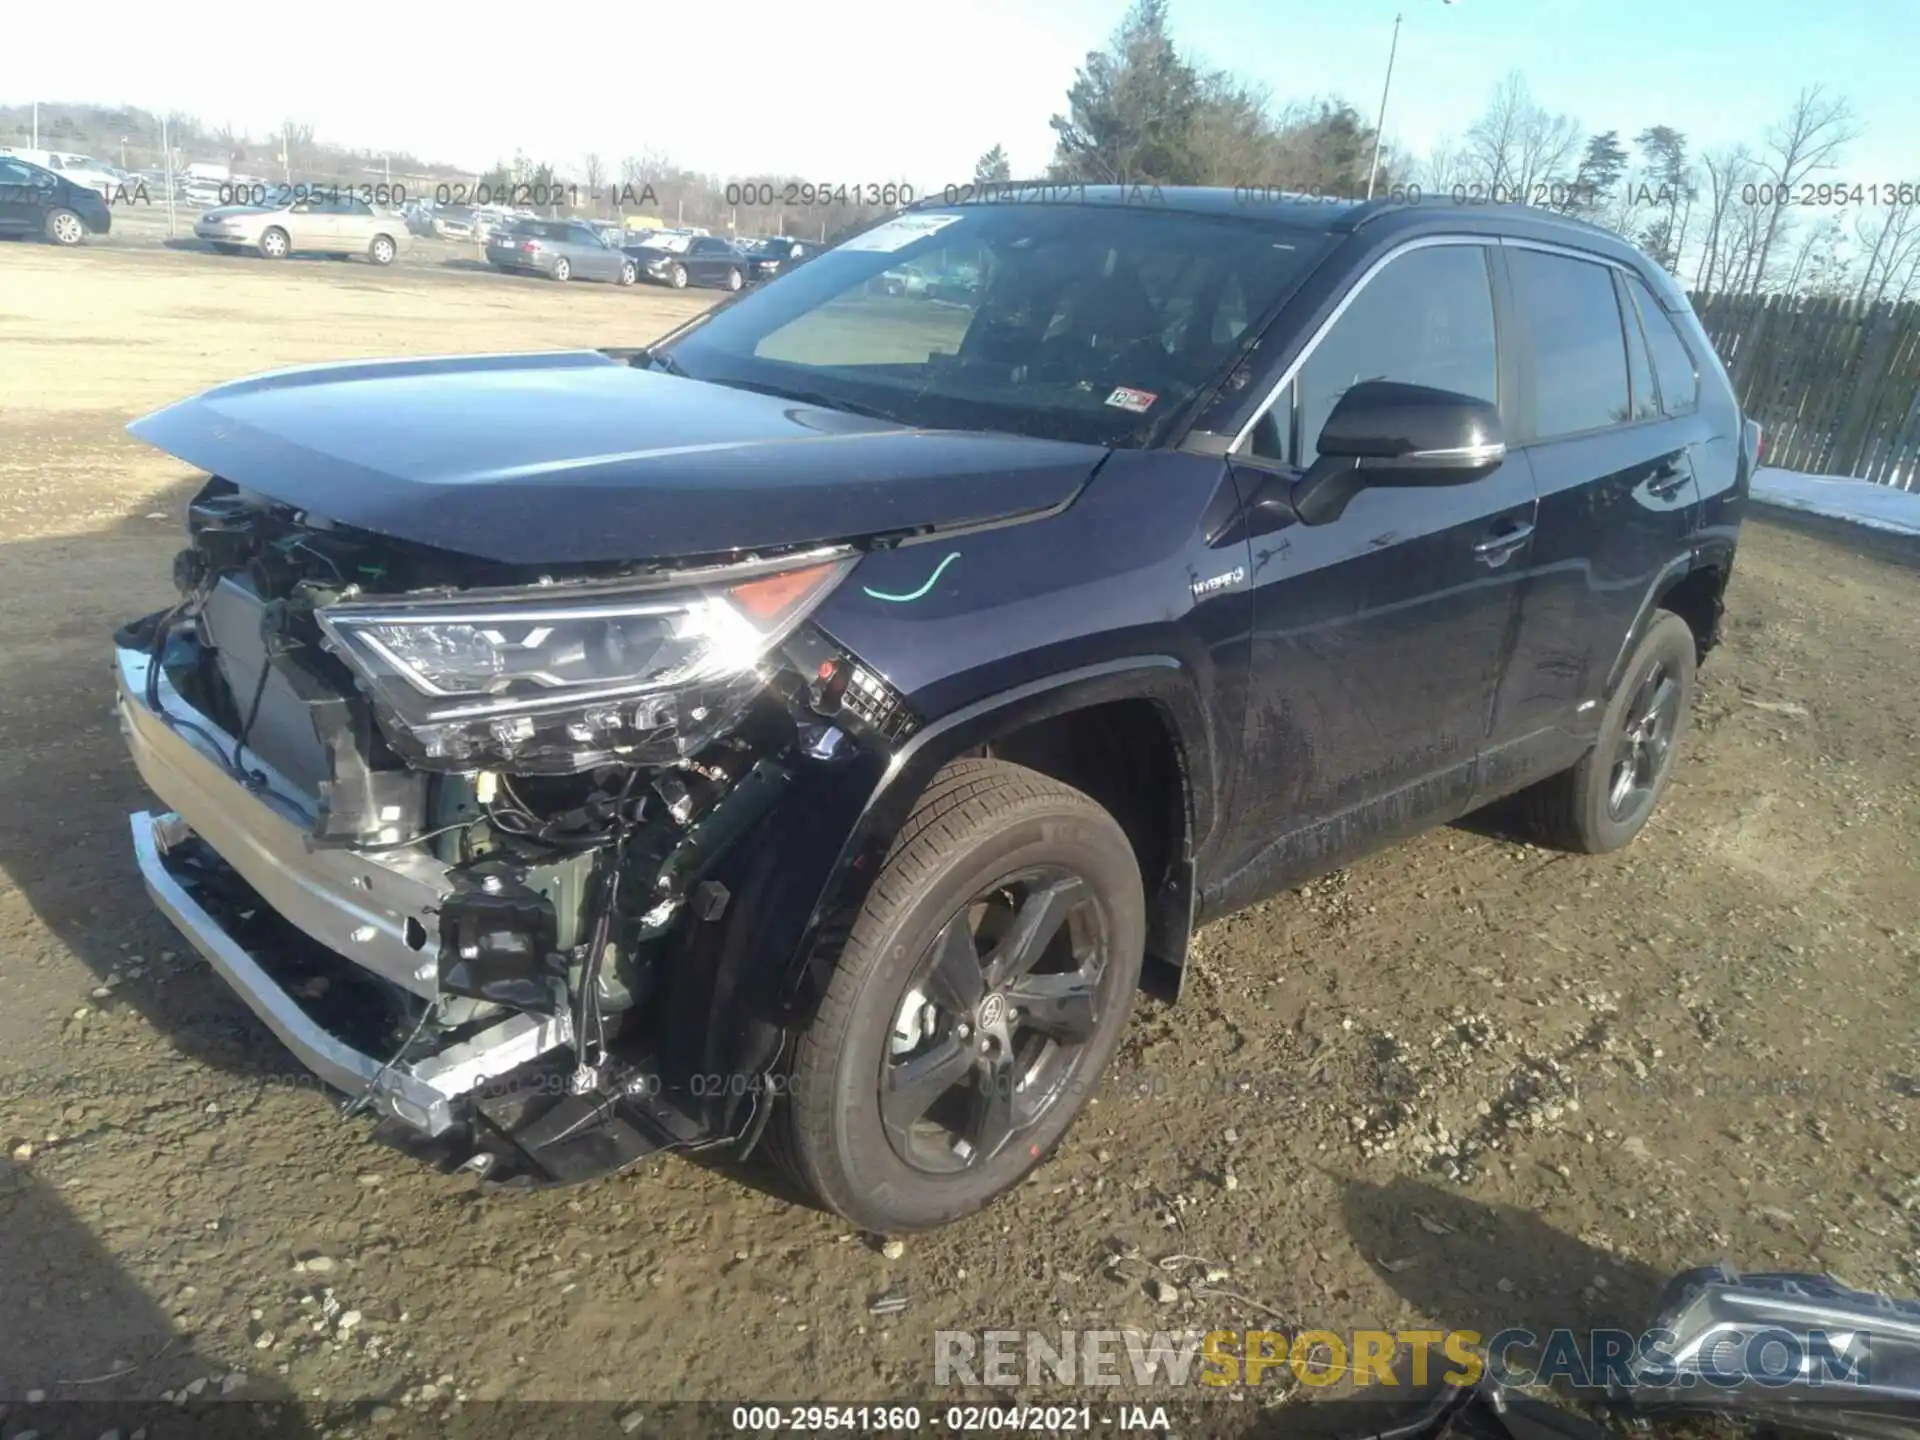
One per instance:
(1496, 550)
(1669, 479)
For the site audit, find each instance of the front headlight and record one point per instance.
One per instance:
(561, 679)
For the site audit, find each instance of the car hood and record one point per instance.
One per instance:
(576, 457)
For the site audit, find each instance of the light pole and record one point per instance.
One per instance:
(1373, 171)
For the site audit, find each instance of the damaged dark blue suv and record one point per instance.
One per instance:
(817, 726)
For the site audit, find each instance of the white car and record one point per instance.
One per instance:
(80, 169)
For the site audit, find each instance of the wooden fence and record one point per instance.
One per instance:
(1835, 384)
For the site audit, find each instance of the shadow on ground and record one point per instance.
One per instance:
(64, 837)
(84, 1350)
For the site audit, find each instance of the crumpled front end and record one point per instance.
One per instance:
(468, 841)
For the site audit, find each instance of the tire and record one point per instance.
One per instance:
(1604, 800)
(629, 273)
(735, 279)
(274, 243)
(989, 844)
(562, 269)
(382, 250)
(65, 228)
(677, 276)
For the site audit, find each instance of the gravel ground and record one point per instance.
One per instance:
(1467, 1083)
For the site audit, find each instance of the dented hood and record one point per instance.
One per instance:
(575, 457)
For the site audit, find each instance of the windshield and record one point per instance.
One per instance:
(1053, 320)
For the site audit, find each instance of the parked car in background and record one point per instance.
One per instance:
(772, 254)
(559, 250)
(80, 169)
(37, 201)
(418, 217)
(453, 222)
(489, 223)
(329, 225)
(693, 260)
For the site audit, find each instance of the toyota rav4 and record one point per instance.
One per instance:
(816, 727)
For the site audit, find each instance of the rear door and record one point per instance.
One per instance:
(355, 224)
(1379, 636)
(1618, 501)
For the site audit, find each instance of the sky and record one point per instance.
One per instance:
(868, 91)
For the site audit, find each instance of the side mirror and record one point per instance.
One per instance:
(1383, 432)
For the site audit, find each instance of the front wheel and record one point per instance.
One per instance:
(382, 251)
(984, 987)
(274, 244)
(677, 277)
(735, 279)
(629, 273)
(1605, 800)
(65, 228)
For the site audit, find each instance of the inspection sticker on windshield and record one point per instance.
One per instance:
(1138, 401)
(899, 232)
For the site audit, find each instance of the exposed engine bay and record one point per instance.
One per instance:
(515, 795)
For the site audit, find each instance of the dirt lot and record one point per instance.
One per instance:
(1467, 1083)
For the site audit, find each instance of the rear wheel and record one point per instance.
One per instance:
(1605, 800)
(65, 228)
(274, 243)
(985, 985)
(562, 269)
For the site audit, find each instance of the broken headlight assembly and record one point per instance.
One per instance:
(558, 679)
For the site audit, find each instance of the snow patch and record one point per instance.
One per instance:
(1880, 507)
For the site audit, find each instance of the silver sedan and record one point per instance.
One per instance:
(331, 225)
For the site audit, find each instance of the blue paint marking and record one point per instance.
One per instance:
(932, 579)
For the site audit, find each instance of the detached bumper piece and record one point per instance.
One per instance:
(338, 953)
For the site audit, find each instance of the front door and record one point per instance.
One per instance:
(24, 191)
(1379, 636)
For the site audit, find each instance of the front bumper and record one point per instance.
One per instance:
(376, 911)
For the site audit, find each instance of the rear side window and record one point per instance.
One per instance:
(1579, 350)
(1425, 319)
(1646, 399)
(1672, 362)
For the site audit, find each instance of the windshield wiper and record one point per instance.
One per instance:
(812, 397)
(666, 363)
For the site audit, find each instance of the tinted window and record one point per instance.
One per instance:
(1426, 319)
(1646, 400)
(1579, 349)
(1077, 324)
(1672, 362)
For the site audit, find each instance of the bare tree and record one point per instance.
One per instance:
(1819, 265)
(1891, 240)
(1728, 173)
(594, 171)
(1517, 147)
(1442, 169)
(1804, 143)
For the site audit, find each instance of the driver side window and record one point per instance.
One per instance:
(1424, 319)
